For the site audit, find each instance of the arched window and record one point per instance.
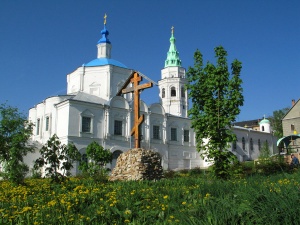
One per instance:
(173, 92)
(84, 158)
(251, 144)
(243, 143)
(262, 128)
(115, 156)
(182, 92)
(163, 93)
(259, 146)
(234, 146)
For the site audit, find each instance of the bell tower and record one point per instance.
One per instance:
(172, 92)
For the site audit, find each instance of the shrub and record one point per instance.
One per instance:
(57, 158)
(97, 158)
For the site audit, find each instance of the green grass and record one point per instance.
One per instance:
(187, 198)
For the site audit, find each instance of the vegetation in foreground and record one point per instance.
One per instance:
(189, 197)
(216, 94)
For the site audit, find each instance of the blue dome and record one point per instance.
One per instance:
(104, 38)
(105, 61)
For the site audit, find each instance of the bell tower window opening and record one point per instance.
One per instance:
(163, 93)
(173, 92)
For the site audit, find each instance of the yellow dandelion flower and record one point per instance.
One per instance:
(127, 212)
(166, 196)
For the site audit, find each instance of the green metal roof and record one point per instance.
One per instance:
(173, 54)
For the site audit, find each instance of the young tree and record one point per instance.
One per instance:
(97, 158)
(15, 132)
(276, 121)
(265, 151)
(216, 96)
(56, 158)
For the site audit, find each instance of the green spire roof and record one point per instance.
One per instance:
(173, 54)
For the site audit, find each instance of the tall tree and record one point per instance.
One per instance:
(276, 121)
(15, 132)
(216, 96)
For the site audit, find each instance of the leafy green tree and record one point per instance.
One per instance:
(265, 151)
(276, 121)
(57, 158)
(216, 96)
(97, 158)
(15, 132)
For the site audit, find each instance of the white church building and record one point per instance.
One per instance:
(91, 111)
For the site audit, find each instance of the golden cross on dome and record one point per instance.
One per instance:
(172, 30)
(105, 16)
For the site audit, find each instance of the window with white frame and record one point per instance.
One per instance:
(292, 127)
(156, 132)
(243, 143)
(118, 127)
(234, 146)
(47, 123)
(186, 135)
(86, 124)
(163, 93)
(38, 122)
(173, 134)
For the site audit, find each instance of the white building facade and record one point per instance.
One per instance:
(91, 111)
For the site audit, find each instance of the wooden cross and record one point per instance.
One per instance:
(135, 79)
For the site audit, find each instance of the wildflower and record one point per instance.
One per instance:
(166, 196)
(172, 217)
(126, 221)
(183, 203)
(127, 212)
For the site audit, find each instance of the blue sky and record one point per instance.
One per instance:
(42, 41)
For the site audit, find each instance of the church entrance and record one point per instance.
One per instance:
(115, 155)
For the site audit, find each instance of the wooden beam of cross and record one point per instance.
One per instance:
(135, 79)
